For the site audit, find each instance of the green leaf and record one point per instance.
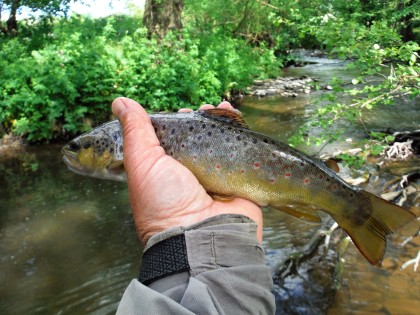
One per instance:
(377, 149)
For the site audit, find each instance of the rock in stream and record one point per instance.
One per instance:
(287, 87)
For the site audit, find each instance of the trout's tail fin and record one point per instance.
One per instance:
(370, 235)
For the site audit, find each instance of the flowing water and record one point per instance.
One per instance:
(68, 244)
(364, 289)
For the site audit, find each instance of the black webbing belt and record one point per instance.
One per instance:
(165, 258)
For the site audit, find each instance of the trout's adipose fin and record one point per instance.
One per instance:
(332, 165)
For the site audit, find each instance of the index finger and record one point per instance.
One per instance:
(225, 105)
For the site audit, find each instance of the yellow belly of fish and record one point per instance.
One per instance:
(257, 186)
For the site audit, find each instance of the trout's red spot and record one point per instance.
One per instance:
(320, 176)
(242, 171)
(272, 181)
(257, 165)
(306, 181)
(288, 175)
(218, 166)
(232, 155)
(334, 187)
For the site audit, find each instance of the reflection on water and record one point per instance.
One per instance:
(68, 245)
(276, 116)
(304, 284)
(388, 290)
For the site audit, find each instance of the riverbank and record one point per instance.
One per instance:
(282, 86)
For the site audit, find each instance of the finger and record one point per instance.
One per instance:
(225, 105)
(136, 125)
(185, 110)
(206, 106)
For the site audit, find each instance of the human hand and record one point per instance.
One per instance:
(163, 193)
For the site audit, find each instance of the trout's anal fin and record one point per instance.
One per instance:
(231, 117)
(302, 212)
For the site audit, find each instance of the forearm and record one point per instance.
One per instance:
(224, 272)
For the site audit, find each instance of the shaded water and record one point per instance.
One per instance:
(68, 244)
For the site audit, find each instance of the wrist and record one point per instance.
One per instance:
(194, 248)
(147, 228)
(227, 218)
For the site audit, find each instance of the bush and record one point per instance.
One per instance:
(63, 82)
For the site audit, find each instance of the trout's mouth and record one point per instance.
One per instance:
(72, 162)
(84, 162)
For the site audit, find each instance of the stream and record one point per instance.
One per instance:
(68, 244)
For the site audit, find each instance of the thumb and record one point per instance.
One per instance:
(139, 135)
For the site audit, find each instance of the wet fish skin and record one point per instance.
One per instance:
(232, 161)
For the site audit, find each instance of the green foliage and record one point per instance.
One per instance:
(276, 24)
(47, 6)
(388, 69)
(63, 82)
(382, 137)
(355, 161)
(374, 146)
(59, 76)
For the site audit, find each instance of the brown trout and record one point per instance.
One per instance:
(230, 160)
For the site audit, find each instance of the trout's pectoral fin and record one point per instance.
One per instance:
(224, 198)
(303, 212)
(116, 167)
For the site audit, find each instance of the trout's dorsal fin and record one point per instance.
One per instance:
(232, 117)
(332, 165)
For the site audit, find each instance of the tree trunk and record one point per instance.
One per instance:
(2, 29)
(11, 22)
(161, 16)
(406, 22)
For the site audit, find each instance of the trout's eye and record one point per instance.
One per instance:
(73, 146)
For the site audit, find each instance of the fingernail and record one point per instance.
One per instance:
(118, 107)
(185, 110)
